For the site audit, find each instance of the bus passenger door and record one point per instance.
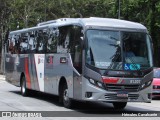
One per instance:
(77, 78)
(76, 54)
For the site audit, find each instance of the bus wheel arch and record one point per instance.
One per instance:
(22, 74)
(63, 93)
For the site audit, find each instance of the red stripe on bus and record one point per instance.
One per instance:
(110, 80)
(28, 79)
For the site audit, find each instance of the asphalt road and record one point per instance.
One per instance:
(11, 100)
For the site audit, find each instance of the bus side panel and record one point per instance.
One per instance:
(66, 70)
(50, 76)
(77, 86)
(37, 71)
(12, 69)
(54, 71)
(32, 65)
(9, 67)
(33, 73)
(25, 66)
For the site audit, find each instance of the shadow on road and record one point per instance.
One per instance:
(86, 108)
(41, 96)
(77, 105)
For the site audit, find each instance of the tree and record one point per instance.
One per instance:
(18, 14)
(4, 13)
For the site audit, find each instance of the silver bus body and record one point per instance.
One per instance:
(45, 71)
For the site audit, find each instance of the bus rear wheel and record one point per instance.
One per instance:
(67, 102)
(119, 105)
(24, 90)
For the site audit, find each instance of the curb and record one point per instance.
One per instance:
(2, 77)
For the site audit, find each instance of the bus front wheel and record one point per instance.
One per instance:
(67, 102)
(119, 105)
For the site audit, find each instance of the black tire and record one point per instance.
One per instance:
(119, 105)
(24, 90)
(67, 102)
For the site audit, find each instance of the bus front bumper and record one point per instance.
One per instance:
(94, 93)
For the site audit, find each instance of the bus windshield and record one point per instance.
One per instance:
(118, 50)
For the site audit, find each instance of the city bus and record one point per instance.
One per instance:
(82, 59)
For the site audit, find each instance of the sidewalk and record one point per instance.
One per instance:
(2, 77)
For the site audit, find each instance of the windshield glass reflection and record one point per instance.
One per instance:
(118, 50)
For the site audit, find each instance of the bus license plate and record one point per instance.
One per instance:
(122, 94)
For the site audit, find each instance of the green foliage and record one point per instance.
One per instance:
(17, 14)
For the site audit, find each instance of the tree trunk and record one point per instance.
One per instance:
(2, 52)
(153, 32)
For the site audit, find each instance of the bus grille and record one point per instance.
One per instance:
(115, 97)
(129, 88)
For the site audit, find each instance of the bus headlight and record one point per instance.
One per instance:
(96, 83)
(92, 81)
(146, 84)
(99, 84)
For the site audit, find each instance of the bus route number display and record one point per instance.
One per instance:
(131, 66)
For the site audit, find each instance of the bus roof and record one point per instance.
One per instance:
(92, 21)
(110, 22)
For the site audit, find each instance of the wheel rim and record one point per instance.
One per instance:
(65, 96)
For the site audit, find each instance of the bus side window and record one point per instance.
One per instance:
(11, 47)
(17, 44)
(39, 41)
(45, 40)
(63, 40)
(42, 41)
(70, 41)
(52, 41)
(24, 43)
(31, 42)
(14, 44)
